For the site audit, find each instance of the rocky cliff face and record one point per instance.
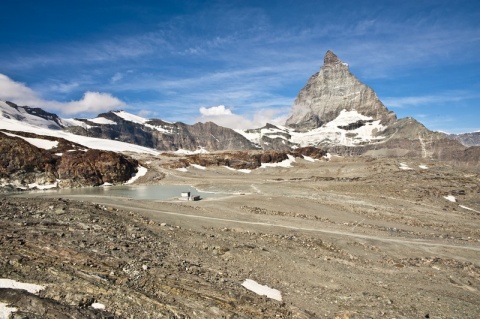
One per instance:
(165, 136)
(21, 161)
(332, 90)
(24, 165)
(467, 139)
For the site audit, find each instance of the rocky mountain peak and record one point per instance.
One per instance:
(331, 59)
(329, 92)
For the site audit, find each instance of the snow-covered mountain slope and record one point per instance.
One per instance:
(350, 128)
(33, 116)
(17, 119)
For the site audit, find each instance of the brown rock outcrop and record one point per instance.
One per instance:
(22, 161)
(94, 167)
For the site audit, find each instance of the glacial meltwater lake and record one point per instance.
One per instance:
(147, 192)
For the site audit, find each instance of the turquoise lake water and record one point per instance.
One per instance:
(148, 192)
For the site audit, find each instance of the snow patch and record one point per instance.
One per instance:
(198, 166)
(450, 198)
(405, 167)
(308, 158)
(6, 311)
(97, 305)
(37, 142)
(48, 186)
(285, 163)
(242, 170)
(13, 284)
(182, 169)
(141, 171)
(423, 166)
(468, 208)
(262, 290)
(130, 117)
(74, 122)
(200, 150)
(102, 120)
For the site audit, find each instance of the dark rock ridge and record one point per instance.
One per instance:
(332, 90)
(246, 159)
(22, 113)
(467, 139)
(23, 163)
(165, 136)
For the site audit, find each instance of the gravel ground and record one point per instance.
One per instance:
(347, 238)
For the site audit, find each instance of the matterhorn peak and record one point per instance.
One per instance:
(332, 90)
(331, 59)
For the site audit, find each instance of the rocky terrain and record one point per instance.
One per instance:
(467, 139)
(163, 135)
(343, 238)
(65, 164)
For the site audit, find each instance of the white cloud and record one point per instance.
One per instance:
(116, 77)
(215, 111)
(16, 92)
(225, 117)
(92, 102)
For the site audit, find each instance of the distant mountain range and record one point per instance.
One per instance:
(334, 112)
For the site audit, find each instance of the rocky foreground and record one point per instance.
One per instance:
(347, 238)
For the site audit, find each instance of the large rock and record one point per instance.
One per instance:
(332, 90)
(22, 162)
(94, 167)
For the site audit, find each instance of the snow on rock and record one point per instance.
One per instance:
(74, 122)
(182, 169)
(262, 290)
(48, 186)
(90, 142)
(6, 311)
(405, 167)
(102, 120)
(468, 208)
(130, 117)
(97, 305)
(106, 185)
(201, 150)
(13, 284)
(198, 166)
(245, 171)
(37, 142)
(285, 163)
(308, 158)
(450, 198)
(335, 132)
(141, 171)
(11, 114)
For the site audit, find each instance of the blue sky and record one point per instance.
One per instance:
(240, 63)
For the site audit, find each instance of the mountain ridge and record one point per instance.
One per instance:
(334, 111)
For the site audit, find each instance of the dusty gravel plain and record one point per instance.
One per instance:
(345, 238)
